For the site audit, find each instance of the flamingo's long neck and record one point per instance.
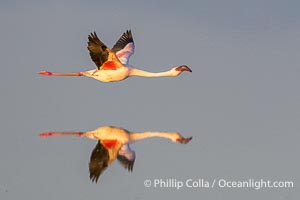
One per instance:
(140, 136)
(47, 134)
(138, 72)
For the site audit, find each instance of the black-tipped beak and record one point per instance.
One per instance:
(184, 140)
(183, 68)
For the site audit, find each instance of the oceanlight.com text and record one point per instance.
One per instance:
(221, 183)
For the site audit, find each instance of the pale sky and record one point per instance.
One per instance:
(241, 104)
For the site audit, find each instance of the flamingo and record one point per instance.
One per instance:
(114, 143)
(113, 64)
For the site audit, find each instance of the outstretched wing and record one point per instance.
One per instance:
(98, 50)
(126, 157)
(98, 162)
(124, 47)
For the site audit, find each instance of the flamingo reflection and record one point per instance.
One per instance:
(114, 143)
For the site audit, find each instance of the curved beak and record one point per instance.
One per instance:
(183, 68)
(184, 140)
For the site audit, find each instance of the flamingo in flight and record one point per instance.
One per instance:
(114, 143)
(113, 64)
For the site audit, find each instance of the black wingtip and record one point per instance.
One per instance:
(125, 38)
(98, 162)
(129, 32)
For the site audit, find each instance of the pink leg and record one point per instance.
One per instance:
(46, 73)
(47, 134)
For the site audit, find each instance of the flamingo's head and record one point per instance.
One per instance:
(183, 68)
(176, 137)
(184, 140)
